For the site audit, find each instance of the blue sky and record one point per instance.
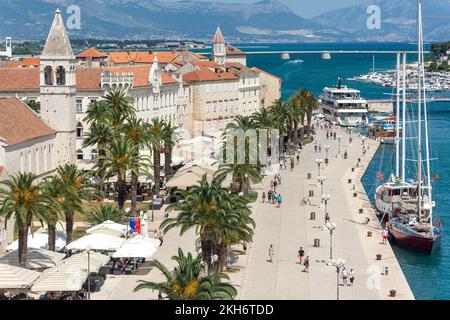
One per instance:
(307, 8)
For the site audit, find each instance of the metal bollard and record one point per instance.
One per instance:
(313, 215)
(316, 243)
(361, 210)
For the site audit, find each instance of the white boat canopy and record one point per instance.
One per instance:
(138, 247)
(12, 277)
(39, 240)
(96, 241)
(36, 258)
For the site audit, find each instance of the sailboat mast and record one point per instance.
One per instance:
(419, 111)
(404, 119)
(397, 120)
(373, 64)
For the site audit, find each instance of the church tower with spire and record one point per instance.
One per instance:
(219, 54)
(58, 90)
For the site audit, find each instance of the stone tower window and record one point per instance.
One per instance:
(48, 74)
(60, 76)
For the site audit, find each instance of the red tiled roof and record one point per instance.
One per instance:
(265, 72)
(233, 51)
(92, 53)
(12, 80)
(123, 57)
(19, 123)
(205, 74)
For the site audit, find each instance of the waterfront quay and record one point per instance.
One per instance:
(289, 227)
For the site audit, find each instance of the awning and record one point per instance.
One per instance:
(110, 227)
(96, 241)
(60, 280)
(138, 247)
(94, 261)
(186, 179)
(39, 240)
(12, 277)
(36, 258)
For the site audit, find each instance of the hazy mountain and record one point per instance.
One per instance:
(154, 18)
(264, 20)
(398, 20)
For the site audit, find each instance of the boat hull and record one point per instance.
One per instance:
(410, 242)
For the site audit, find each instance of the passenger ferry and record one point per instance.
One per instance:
(344, 106)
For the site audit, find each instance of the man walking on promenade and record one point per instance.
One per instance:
(352, 277)
(279, 199)
(270, 254)
(263, 196)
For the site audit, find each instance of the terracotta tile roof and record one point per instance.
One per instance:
(125, 57)
(205, 64)
(19, 124)
(14, 79)
(218, 37)
(87, 78)
(233, 51)
(239, 68)
(24, 63)
(205, 74)
(265, 72)
(198, 55)
(92, 53)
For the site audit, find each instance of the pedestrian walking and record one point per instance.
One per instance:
(279, 200)
(161, 239)
(298, 158)
(385, 234)
(160, 297)
(275, 184)
(273, 197)
(306, 264)
(269, 195)
(301, 255)
(263, 196)
(315, 148)
(327, 217)
(344, 274)
(334, 135)
(320, 148)
(271, 253)
(352, 277)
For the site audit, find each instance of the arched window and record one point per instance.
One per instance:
(48, 75)
(60, 76)
(94, 154)
(79, 154)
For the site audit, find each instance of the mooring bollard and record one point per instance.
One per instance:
(392, 293)
(378, 256)
(349, 181)
(361, 210)
(353, 169)
(355, 194)
(369, 234)
(316, 243)
(313, 215)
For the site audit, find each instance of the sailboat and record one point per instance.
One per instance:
(409, 204)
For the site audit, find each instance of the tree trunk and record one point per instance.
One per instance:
(51, 236)
(168, 160)
(223, 254)
(207, 250)
(308, 124)
(121, 193)
(157, 168)
(295, 135)
(69, 225)
(134, 185)
(302, 135)
(23, 244)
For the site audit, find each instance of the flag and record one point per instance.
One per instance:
(380, 175)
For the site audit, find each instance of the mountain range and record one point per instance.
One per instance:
(267, 20)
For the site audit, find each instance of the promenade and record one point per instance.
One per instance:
(290, 227)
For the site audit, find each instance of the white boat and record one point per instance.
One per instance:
(344, 106)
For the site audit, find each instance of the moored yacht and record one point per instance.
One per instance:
(344, 106)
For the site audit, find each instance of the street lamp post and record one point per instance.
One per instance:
(338, 264)
(321, 181)
(153, 208)
(339, 141)
(330, 226)
(325, 198)
(88, 250)
(326, 147)
(319, 162)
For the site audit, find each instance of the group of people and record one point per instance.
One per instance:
(272, 195)
(348, 277)
(304, 261)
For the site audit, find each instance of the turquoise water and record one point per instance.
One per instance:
(428, 276)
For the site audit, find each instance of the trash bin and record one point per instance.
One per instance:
(349, 181)
(313, 215)
(326, 161)
(353, 169)
(361, 210)
(309, 175)
(386, 271)
(311, 193)
(392, 293)
(316, 243)
(355, 194)
(378, 256)
(369, 234)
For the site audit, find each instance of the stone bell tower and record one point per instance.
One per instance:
(219, 54)
(58, 90)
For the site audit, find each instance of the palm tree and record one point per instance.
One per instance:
(96, 112)
(136, 131)
(75, 188)
(264, 119)
(34, 105)
(156, 135)
(281, 119)
(106, 212)
(52, 187)
(122, 155)
(169, 138)
(22, 197)
(120, 107)
(100, 134)
(187, 282)
(309, 103)
(242, 175)
(198, 211)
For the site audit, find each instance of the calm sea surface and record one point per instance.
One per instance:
(428, 276)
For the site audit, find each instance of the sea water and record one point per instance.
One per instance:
(428, 276)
